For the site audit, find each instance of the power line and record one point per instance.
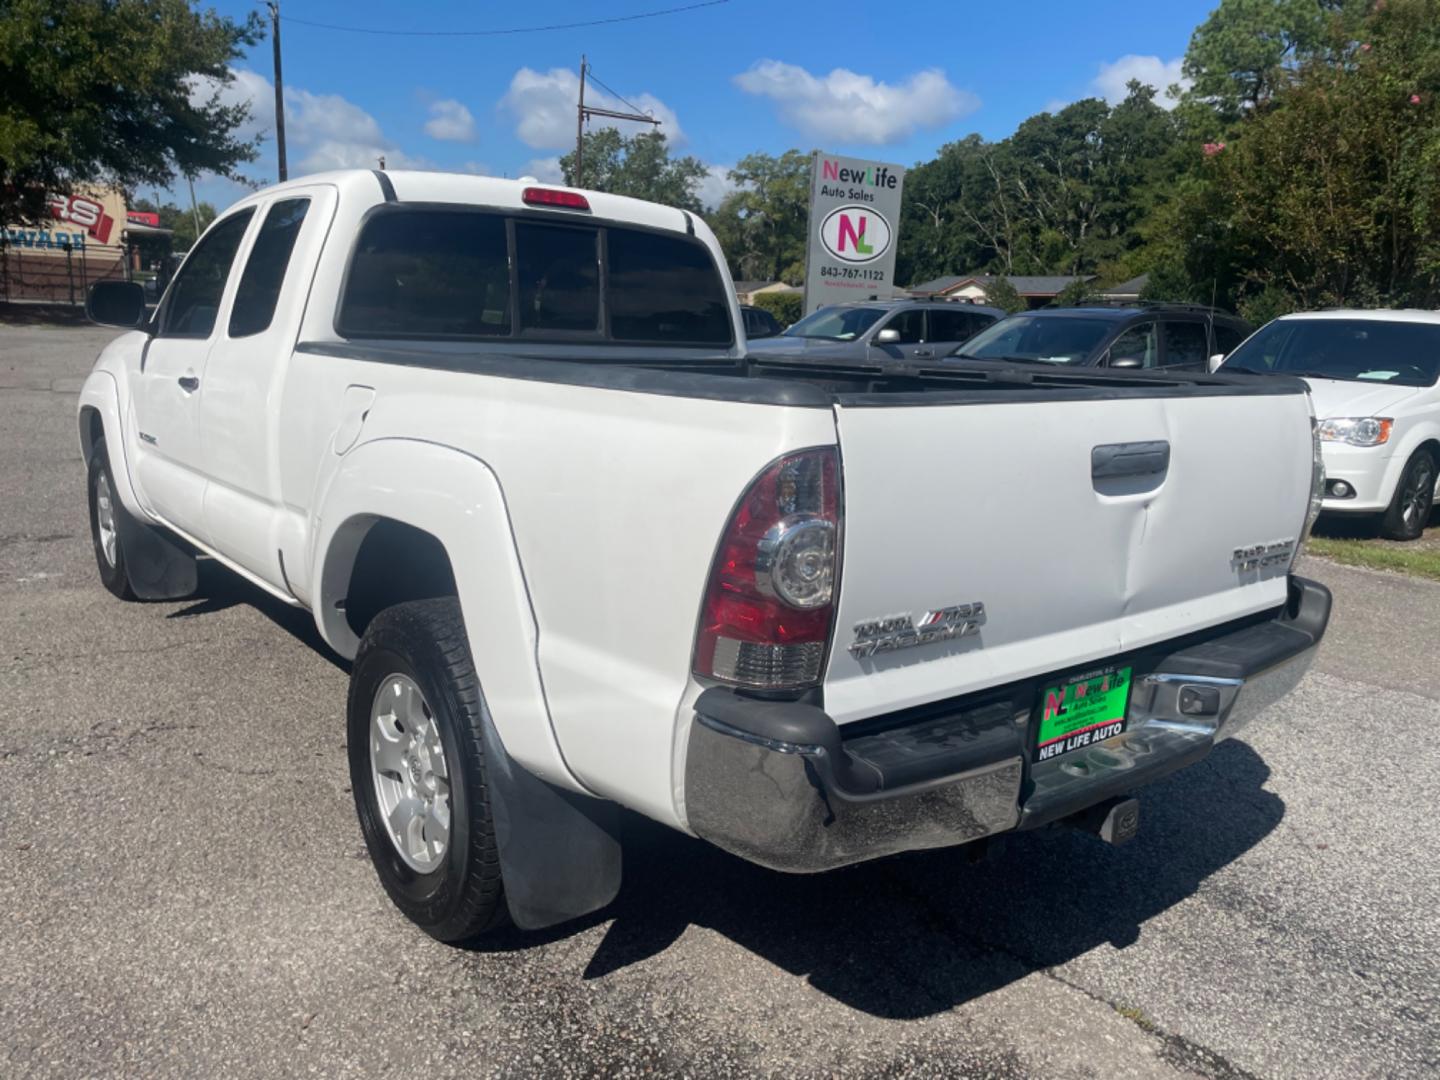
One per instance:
(614, 93)
(509, 30)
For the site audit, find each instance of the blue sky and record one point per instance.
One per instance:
(890, 80)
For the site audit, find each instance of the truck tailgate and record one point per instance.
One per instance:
(1076, 553)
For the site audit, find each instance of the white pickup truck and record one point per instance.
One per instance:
(504, 441)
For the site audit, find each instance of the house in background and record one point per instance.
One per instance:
(1035, 291)
(1127, 292)
(746, 291)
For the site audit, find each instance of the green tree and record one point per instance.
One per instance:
(1064, 194)
(1077, 292)
(761, 225)
(1330, 194)
(1002, 294)
(1248, 50)
(180, 221)
(639, 166)
(104, 92)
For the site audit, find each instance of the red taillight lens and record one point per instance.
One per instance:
(771, 595)
(568, 200)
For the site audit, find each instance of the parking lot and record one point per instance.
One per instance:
(185, 891)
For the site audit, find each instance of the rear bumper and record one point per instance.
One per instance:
(780, 784)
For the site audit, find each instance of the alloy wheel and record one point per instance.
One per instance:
(412, 779)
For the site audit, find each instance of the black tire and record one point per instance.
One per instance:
(424, 640)
(1409, 510)
(101, 487)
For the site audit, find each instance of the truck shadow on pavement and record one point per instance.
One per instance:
(218, 589)
(918, 934)
(912, 935)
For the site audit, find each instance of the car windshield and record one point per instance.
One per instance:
(836, 323)
(1362, 350)
(1052, 339)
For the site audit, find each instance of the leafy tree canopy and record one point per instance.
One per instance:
(639, 166)
(106, 92)
(761, 225)
(181, 221)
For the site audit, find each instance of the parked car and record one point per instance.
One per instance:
(882, 331)
(1178, 337)
(1372, 376)
(503, 442)
(758, 322)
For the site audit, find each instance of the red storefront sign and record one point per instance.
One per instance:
(85, 212)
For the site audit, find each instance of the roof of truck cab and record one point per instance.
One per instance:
(1410, 315)
(416, 186)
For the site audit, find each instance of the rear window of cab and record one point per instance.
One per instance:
(462, 274)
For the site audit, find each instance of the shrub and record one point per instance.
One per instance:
(1003, 295)
(784, 306)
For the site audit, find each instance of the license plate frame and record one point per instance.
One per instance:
(1068, 718)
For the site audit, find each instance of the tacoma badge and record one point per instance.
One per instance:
(901, 632)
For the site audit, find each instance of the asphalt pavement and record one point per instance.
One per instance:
(184, 890)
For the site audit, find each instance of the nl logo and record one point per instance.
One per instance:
(855, 234)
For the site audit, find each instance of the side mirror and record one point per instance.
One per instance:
(1215, 361)
(116, 303)
(888, 336)
(1127, 362)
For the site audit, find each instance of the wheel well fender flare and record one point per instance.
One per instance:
(457, 499)
(98, 413)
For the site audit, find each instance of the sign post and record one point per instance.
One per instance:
(854, 230)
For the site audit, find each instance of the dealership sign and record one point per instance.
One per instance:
(854, 216)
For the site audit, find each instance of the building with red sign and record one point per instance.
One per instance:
(82, 238)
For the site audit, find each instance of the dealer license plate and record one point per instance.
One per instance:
(1081, 711)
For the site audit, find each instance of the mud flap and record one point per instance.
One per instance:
(158, 567)
(559, 852)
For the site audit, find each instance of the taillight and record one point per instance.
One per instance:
(568, 200)
(770, 600)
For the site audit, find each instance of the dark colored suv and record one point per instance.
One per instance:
(1177, 337)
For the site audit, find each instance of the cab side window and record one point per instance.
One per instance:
(1185, 345)
(259, 288)
(1138, 343)
(194, 299)
(956, 326)
(910, 324)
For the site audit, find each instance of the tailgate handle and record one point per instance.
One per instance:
(1129, 459)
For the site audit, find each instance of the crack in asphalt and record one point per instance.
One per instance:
(104, 654)
(104, 736)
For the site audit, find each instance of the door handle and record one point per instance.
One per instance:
(924, 352)
(189, 383)
(1130, 459)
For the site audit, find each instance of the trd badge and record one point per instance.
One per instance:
(902, 632)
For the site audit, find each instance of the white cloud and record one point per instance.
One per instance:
(716, 185)
(543, 107)
(545, 169)
(853, 108)
(322, 131)
(450, 121)
(1150, 70)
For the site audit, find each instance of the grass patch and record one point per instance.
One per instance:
(1420, 559)
(1136, 1016)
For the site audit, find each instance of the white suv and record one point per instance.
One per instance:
(1372, 376)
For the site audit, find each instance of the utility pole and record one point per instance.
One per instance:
(194, 206)
(274, 6)
(583, 112)
(580, 128)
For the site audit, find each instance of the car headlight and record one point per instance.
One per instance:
(1356, 430)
